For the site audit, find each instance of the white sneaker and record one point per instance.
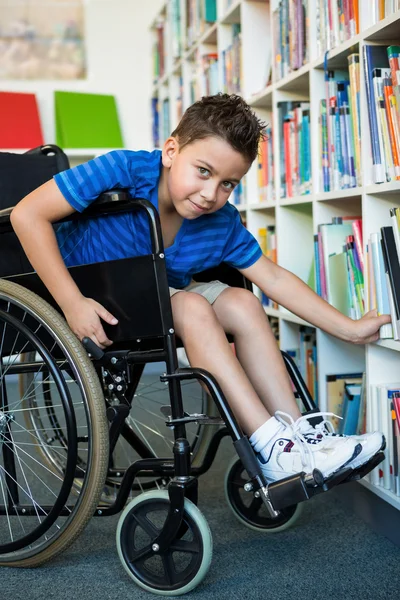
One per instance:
(371, 443)
(290, 451)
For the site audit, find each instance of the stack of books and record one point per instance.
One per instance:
(383, 414)
(382, 81)
(200, 14)
(232, 63)
(265, 166)
(337, 22)
(340, 134)
(339, 265)
(295, 156)
(380, 9)
(290, 24)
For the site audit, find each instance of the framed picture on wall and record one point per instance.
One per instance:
(42, 39)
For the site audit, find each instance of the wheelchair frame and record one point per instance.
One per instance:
(134, 347)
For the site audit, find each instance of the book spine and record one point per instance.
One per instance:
(378, 169)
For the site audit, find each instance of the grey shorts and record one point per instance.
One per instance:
(210, 290)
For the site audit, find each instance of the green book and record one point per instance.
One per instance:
(87, 121)
(339, 282)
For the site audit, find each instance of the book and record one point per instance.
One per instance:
(87, 120)
(20, 125)
(335, 388)
(374, 57)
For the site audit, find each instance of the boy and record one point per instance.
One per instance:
(190, 182)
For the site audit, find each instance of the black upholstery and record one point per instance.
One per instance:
(20, 174)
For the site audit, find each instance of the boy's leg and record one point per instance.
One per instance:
(207, 347)
(242, 315)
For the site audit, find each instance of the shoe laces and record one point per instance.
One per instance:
(297, 434)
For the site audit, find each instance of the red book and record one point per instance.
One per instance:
(20, 126)
(358, 239)
(288, 166)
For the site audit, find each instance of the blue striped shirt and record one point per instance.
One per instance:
(200, 243)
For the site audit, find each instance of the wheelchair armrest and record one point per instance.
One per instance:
(112, 201)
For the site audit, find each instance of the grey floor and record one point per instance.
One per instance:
(330, 554)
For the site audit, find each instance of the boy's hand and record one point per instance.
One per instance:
(366, 329)
(83, 317)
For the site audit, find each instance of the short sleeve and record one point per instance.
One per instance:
(241, 249)
(81, 185)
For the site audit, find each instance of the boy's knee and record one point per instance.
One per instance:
(241, 303)
(191, 311)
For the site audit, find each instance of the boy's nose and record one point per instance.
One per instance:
(209, 193)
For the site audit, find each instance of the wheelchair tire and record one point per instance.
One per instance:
(250, 510)
(179, 569)
(24, 313)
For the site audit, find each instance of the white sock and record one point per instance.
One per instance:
(263, 436)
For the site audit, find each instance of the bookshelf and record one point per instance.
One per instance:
(296, 218)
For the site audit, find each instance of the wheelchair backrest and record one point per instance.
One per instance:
(20, 174)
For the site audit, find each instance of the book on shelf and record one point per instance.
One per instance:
(339, 124)
(380, 9)
(383, 414)
(347, 416)
(267, 241)
(155, 122)
(87, 120)
(337, 22)
(290, 24)
(382, 81)
(305, 358)
(339, 266)
(265, 168)
(20, 124)
(295, 152)
(232, 64)
(199, 15)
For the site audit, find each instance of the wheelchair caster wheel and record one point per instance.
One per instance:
(178, 569)
(249, 509)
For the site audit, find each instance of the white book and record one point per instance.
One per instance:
(373, 426)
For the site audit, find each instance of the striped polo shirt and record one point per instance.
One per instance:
(200, 243)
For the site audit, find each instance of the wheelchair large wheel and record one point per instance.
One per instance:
(42, 508)
(250, 509)
(183, 565)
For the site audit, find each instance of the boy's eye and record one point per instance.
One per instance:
(228, 185)
(203, 171)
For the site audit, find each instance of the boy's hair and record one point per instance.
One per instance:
(225, 116)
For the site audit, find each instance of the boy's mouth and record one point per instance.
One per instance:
(197, 207)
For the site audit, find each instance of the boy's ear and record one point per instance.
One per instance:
(169, 151)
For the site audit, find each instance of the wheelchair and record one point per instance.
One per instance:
(78, 439)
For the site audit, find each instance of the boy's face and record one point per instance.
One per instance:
(202, 175)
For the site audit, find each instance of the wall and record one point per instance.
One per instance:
(119, 62)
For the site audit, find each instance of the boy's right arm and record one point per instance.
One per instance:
(32, 220)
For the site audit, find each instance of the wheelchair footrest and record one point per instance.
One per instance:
(357, 474)
(301, 487)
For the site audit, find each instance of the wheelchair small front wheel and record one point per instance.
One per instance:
(183, 565)
(251, 510)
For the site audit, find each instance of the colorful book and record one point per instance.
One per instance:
(20, 125)
(87, 120)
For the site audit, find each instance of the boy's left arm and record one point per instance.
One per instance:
(287, 289)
